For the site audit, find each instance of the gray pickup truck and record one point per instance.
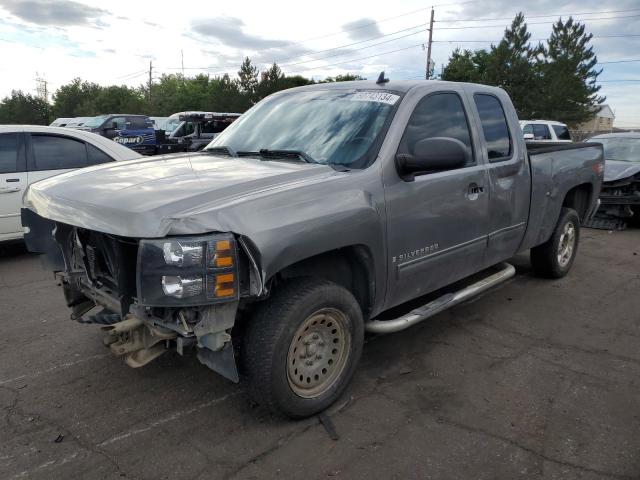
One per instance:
(302, 225)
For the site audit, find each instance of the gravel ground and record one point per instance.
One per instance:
(536, 379)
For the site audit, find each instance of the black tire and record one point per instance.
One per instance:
(272, 337)
(546, 258)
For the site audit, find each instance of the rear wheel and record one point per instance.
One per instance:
(554, 258)
(302, 347)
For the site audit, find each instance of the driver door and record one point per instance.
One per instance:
(437, 222)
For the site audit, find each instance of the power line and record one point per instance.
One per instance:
(325, 50)
(365, 58)
(538, 23)
(536, 16)
(533, 39)
(619, 61)
(358, 49)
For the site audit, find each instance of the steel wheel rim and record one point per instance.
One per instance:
(566, 244)
(318, 353)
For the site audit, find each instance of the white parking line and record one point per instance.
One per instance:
(127, 434)
(54, 368)
(167, 419)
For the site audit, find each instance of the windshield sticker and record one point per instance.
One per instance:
(380, 97)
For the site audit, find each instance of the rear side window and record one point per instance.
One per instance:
(528, 128)
(138, 123)
(562, 132)
(439, 115)
(8, 153)
(494, 127)
(541, 131)
(97, 156)
(119, 123)
(57, 153)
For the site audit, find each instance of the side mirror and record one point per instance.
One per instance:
(432, 155)
(529, 136)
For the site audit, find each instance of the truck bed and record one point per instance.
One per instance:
(555, 170)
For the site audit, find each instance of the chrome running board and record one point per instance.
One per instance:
(441, 303)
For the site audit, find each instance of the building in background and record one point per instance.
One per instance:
(601, 121)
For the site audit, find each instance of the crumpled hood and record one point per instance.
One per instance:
(617, 170)
(141, 198)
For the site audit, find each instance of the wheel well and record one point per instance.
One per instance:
(579, 198)
(351, 267)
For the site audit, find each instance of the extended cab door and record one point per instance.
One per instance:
(509, 182)
(437, 222)
(13, 182)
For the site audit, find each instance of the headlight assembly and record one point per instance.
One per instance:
(187, 271)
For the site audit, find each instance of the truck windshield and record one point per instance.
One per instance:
(620, 148)
(95, 121)
(335, 127)
(171, 124)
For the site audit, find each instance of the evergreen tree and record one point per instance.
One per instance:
(571, 93)
(466, 66)
(248, 79)
(513, 65)
(271, 81)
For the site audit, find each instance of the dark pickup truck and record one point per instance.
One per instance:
(303, 224)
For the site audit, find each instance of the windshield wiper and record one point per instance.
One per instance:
(267, 153)
(222, 150)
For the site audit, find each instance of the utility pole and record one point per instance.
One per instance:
(182, 60)
(43, 93)
(429, 46)
(41, 88)
(150, 79)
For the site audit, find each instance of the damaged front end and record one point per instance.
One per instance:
(152, 295)
(619, 204)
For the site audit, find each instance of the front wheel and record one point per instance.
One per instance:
(302, 347)
(554, 258)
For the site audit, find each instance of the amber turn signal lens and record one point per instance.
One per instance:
(223, 256)
(224, 285)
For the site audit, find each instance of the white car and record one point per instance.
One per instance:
(77, 122)
(61, 122)
(545, 131)
(31, 153)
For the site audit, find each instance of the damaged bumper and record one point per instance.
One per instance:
(101, 284)
(619, 204)
(141, 338)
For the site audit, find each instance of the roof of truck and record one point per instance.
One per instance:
(401, 86)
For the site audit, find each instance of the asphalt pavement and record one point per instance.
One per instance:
(535, 379)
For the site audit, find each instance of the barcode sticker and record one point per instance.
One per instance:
(380, 97)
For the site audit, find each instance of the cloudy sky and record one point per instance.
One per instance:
(113, 42)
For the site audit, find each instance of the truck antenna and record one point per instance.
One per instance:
(381, 78)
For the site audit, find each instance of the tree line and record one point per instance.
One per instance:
(170, 94)
(556, 81)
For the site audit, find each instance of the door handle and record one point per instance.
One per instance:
(9, 190)
(474, 191)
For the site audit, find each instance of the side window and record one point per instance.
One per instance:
(57, 153)
(119, 122)
(494, 127)
(541, 131)
(439, 115)
(137, 123)
(97, 156)
(189, 128)
(8, 153)
(562, 132)
(528, 128)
